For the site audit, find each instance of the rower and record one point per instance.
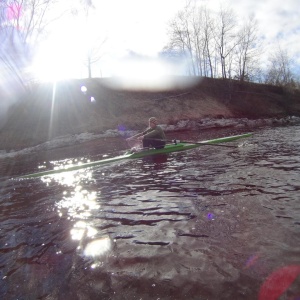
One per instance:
(153, 136)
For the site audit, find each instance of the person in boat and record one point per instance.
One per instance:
(153, 136)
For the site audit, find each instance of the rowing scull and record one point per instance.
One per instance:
(175, 147)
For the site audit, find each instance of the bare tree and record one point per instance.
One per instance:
(247, 51)
(87, 6)
(22, 24)
(182, 36)
(225, 38)
(216, 46)
(202, 31)
(191, 33)
(32, 17)
(197, 41)
(208, 47)
(94, 54)
(279, 71)
(94, 42)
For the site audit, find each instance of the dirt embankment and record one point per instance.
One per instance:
(50, 111)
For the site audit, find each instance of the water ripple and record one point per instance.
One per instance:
(171, 227)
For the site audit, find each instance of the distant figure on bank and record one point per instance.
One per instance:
(153, 136)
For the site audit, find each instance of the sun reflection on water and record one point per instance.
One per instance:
(79, 204)
(98, 247)
(82, 229)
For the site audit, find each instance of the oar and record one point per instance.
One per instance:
(199, 143)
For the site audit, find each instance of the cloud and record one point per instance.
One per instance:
(278, 21)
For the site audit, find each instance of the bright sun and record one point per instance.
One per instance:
(51, 65)
(61, 56)
(64, 54)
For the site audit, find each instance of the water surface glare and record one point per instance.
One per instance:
(209, 223)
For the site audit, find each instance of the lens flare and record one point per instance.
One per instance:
(278, 282)
(210, 216)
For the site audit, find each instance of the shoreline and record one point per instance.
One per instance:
(181, 125)
(38, 118)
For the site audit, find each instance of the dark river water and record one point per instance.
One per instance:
(209, 223)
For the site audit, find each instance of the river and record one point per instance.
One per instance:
(208, 223)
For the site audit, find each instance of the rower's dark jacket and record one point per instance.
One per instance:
(154, 133)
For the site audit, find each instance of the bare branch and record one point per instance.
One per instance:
(279, 70)
(247, 51)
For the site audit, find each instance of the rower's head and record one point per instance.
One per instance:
(152, 122)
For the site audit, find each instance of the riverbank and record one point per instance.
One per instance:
(49, 112)
(242, 124)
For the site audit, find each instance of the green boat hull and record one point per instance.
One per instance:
(169, 148)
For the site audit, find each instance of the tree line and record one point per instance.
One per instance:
(216, 45)
(24, 24)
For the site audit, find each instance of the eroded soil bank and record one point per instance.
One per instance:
(50, 111)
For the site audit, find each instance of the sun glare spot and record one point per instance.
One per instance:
(51, 65)
(77, 234)
(98, 247)
(61, 56)
(84, 89)
(81, 229)
(148, 74)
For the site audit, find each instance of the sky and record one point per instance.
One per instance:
(140, 27)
